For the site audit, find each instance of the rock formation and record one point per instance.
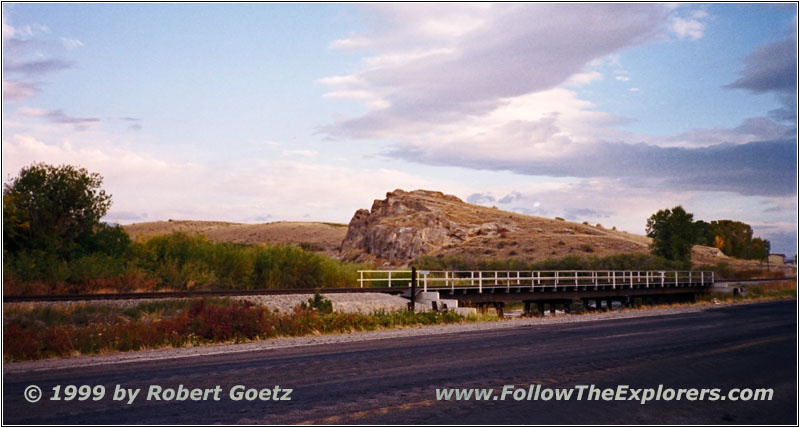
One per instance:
(406, 225)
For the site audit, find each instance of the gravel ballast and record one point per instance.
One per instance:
(342, 302)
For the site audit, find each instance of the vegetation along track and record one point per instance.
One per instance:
(196, 293)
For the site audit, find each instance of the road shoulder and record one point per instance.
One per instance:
(291, 342)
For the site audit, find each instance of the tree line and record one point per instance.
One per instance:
(674, 232)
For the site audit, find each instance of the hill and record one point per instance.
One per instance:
(406, 225)
(316, 236)
(409, 224)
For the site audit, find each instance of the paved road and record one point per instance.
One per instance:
(394, 381)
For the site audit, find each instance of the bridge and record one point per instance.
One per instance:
(574, 290)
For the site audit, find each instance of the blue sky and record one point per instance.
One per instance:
(264, 112)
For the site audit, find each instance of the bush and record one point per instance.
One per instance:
(44, 332)
(318, 303)
(177, 261)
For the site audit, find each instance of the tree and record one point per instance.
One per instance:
(673, 233)
(759, 249)
(733, 238)
(53, 209)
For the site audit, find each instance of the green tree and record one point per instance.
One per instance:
(733, 238)
(673, 233)
(759, 249)
(56, 210)
(704, 233)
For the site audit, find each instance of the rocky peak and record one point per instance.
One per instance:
(406, 225)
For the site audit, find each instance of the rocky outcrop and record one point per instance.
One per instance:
(406, 225)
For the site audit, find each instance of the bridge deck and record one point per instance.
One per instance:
(504, 286)
(536, 279)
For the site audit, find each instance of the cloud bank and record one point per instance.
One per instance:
(498, 92)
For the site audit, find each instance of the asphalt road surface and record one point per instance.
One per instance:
(394, 381)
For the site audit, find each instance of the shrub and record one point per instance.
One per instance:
(318, 303)
(311, 246)
(176, 261)
(43, 332)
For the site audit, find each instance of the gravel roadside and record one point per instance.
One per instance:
(286, 342)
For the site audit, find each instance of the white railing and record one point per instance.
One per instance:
(565, 279)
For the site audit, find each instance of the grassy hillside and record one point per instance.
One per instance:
(314, 236)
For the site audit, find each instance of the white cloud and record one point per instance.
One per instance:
(15, 91)
(70, 44)
(691, 26)
(8, 29)
(301, 153)
(499, 96)
(428, 74)
(29, 30)
(150, 186)
(27, 59)
(356, 43)
(583, 78)
(370, 99)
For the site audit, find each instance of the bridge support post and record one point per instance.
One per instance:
(412, 303)
(540, 307)
(499, 306)
(527, 310)
(576, 306)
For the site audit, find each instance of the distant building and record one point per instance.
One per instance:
(777, 259)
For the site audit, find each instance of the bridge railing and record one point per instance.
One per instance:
(564, 279)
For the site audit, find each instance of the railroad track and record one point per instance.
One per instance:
(233, 293)
(192, 294)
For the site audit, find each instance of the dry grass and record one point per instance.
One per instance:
(326, 236)
(31, 333)
(759, 292)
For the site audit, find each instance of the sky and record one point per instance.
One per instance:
(256, 112)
